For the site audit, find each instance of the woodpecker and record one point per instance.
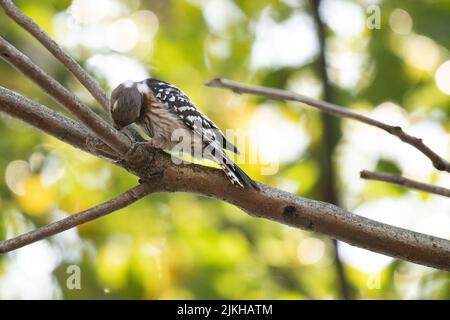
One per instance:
(161, 109)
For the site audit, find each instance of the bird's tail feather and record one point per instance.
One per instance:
(232, 170)
(238, 176)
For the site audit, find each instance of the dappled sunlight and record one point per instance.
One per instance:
(113, 262)
(357, 154)
(25, 279)
(116, 68)
(410, 212)
(421, 52)
(22, 277)
(345, 18)
(273, 46)
(17, 172)
(37, 199)
(443, 77)
(306, 84)
(89, 12)
(310, 251)
(276, 138)
(221, 14)
(345, 68)
(85, 26)
(400, 21)
(123, 35)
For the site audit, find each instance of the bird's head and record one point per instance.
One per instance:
(126, 105)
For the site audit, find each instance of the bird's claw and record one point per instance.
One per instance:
(151, 177)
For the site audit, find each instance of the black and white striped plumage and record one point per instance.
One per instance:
(160, 108)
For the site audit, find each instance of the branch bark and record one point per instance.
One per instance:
(404, 182)
(115, 139)
(122, 201)
(322, 217)
(298, 212)
(286, 208)
(53, 123)
(438, 162)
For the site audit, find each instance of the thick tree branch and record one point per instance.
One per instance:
(322, 217)
(115, 139)
(37, 32)
(53, 123)
(330, 108)
(69, 131)
(122, 201)
(404, 182)
(295, 211)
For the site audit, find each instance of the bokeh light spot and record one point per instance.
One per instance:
(422, 53)
(123, 35)
(37, 199)
(400, 22)
(310, 251)
(442, 77)
(16, 173)
(344, 17)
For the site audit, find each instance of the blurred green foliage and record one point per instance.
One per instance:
(174, 246)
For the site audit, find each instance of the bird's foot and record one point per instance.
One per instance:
(151, 177)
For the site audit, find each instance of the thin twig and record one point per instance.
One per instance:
(404, 182)
(438, 162)
(122, 201)
(37, 32)
(53, 123)
(115, 139)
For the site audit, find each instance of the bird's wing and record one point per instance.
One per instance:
(180, 104)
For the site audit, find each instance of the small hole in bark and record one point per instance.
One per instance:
(289, 213)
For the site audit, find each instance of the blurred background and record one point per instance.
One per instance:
(181, 246)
